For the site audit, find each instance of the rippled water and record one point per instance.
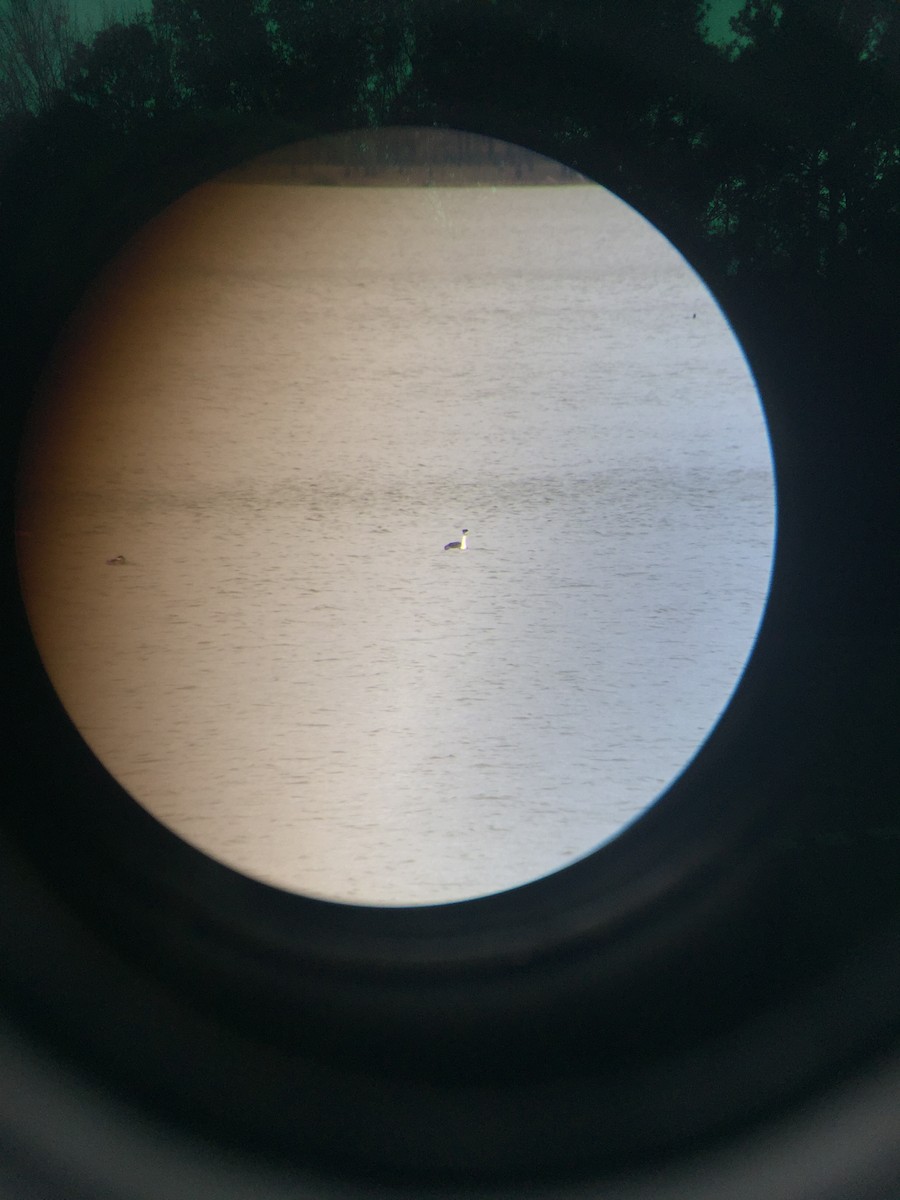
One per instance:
(282, 407)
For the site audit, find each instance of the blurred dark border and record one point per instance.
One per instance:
(708, 1007)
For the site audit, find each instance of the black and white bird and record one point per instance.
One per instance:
(458, 545)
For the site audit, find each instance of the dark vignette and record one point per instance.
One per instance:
(737, 955)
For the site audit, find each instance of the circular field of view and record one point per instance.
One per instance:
(257, 435)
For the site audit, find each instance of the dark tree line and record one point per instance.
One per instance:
(776, 156)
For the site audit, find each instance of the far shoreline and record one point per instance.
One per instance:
(438, 175)
(405, 157)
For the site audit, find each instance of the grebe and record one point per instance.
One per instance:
(458, 545)
(118, 561)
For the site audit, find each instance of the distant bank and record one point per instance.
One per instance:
(405, 158)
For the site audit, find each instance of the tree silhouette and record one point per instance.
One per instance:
(125, 75)
(777, 157)
(820, 167)
(221, 54)
(37, 38)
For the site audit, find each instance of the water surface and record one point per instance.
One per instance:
(278, 408)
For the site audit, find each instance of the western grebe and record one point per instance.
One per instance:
(458, 545)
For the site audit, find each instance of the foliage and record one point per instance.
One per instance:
(777, 156)
(124, 75)
(37, 38)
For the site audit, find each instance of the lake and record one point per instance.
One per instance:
(278, 406)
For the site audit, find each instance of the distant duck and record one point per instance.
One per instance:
(458, 545)
(118, 561)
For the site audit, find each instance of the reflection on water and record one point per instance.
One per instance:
(291, 399)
